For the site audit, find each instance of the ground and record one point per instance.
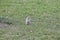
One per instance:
(44, 14)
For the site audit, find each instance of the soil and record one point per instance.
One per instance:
(4, 25)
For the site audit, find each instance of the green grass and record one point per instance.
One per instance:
(45, 17)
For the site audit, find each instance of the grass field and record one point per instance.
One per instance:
(45, 17)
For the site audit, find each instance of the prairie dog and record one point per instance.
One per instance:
(28, 20)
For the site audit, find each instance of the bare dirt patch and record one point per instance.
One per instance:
(4, 25)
